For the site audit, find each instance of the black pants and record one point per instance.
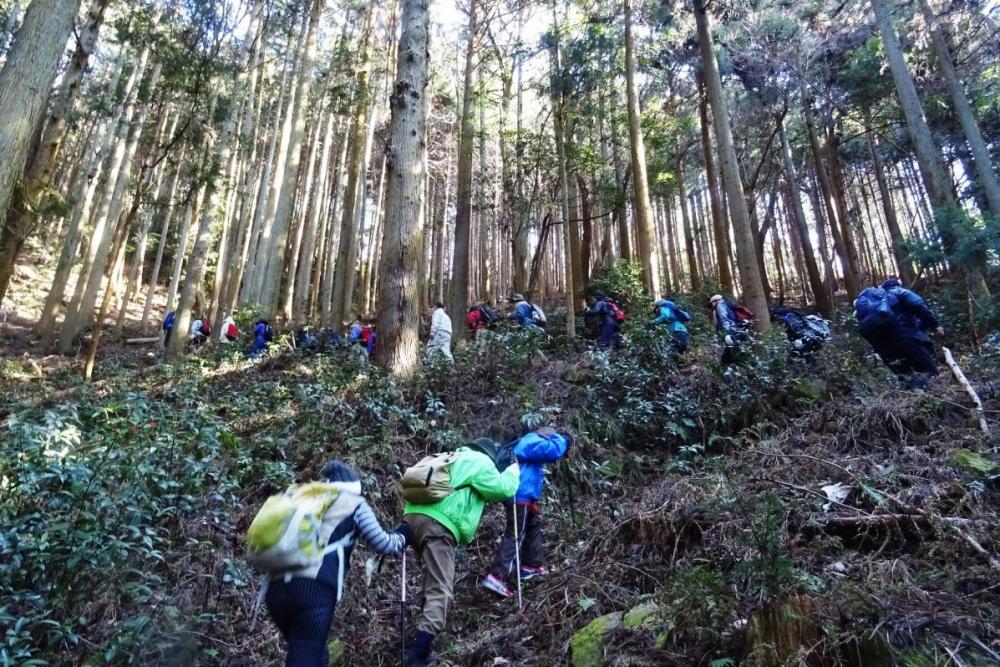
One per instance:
(529, 532)
(303, 610)
(910, 359)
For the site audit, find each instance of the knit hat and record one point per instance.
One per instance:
(716, 298)
(338, 471)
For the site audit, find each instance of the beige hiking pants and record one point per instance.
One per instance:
(435, 545)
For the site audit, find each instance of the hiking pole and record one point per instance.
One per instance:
(402, 611)
(517, 558)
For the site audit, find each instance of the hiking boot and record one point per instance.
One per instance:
(528, 572)
(419, 654)
(492, 583)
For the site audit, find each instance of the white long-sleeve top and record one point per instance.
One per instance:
(440, 323)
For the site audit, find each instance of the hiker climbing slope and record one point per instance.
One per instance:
(445, 498)
(895, 321)
(611, 318)
(440, 334)
(302, 599)
(731, 321)
(532, 451)
(670, 315)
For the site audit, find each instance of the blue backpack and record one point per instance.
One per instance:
(875, 312)
(168, 324)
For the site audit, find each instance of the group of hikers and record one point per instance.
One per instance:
(895, 320)
(303, 538)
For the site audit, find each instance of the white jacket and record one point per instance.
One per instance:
(440, 323)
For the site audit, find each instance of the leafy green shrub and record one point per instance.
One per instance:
(621, 281)
(92, 498)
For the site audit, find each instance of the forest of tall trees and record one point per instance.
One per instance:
(321, 161)
(323, 181)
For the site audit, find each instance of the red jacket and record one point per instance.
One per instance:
(475, 321)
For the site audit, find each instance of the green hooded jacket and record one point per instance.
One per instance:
(461, 511)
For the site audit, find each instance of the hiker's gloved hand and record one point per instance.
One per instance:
(729, 341)
(404, 529)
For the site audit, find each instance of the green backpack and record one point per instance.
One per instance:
(288, 532)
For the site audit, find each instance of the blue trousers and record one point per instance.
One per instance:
(303, 610)
(608, 331)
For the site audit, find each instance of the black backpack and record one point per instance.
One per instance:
(489, 315)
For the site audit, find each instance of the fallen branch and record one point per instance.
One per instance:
(137, 341)
(909, 509)
(969, 389)
(884, 519)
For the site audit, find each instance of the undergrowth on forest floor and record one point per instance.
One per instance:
(701, 492)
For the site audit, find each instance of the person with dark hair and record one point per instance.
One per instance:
(302, 602)
(668, 313)
(610, 316)
(262, 335)
(895, 321)
(532, 453)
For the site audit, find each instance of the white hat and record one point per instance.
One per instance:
(715, 298)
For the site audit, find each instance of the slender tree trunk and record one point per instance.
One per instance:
(289, 182)
(398, 346)
(980, 152)
(154, 276)
(851, 278)
(343, 273)
(932, 169)
(305, 268)
(640, 182)
(558, 114)
(25, 81)
(586, 212)
(459, 287)
(302, 222)
(823, 303)
(750, 277)
(895, 233)
(620, 212)
(719, 223)
(689, 249)
(439, 234)
(85, 187)
(139, 257)
(107, 217)
(843, 212)
(215, 193)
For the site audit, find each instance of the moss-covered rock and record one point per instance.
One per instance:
(586, 647)
(644, 615)
(336, 649)
(970, 461)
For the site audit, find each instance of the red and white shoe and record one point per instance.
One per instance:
(493, 584)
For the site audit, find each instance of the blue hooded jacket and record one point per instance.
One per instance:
(533, 451)
(669, 313)
(913, 316)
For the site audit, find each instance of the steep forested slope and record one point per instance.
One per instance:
(697, 500)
